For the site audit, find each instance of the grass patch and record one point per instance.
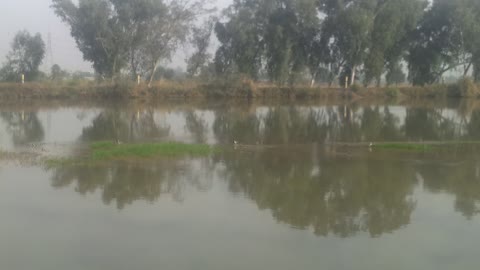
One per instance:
(110, 150)
(60, 162)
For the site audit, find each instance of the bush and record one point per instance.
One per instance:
(465, 87)
(392, 92)
(356, 88)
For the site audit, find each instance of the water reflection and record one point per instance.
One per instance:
(297, 125)
(338, 196)
(288, 162)
(123, 183)
(23, 127)
(115, 124)
(461, 180)
(316, 188)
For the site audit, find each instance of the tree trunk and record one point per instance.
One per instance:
(152, 75)
(312, 83)
(467, 69)
(114, 67)
(352, 77)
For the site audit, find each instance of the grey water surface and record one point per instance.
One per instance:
(301, 189)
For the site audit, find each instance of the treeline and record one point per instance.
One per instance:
(286, 42)
(364, 40)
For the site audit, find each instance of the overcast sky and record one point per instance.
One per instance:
(37, 16)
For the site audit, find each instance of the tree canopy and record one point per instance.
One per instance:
(117, 35)
(25, 57)
(283, 41)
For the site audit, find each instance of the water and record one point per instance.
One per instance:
(300, 190)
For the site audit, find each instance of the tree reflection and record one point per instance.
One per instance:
(115, 124)
(289, 164)
(330, 195)
(123, 183)
(197, 126)
(461, 179)
(24, 127)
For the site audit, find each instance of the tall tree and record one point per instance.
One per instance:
(241, 39)
(25, 57)
(276, 36)
(167, 30)
(446, 39)
(114, 34)
(201, 41)
(393, 24)
(351, 24)
(96, 28)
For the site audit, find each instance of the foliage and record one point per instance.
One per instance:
(201, 41)
(446, 39)
(57, 73)
(116, 34)
(465, 87)
(25, 57)
(392, 92)
(395, 75)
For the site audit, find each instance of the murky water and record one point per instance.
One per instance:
(297, 192)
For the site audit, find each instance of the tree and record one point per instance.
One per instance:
(99, 31)
(241, 39)
(201, 41)
(393, 24)
(352, 23)
(291, 34)
(25, 57)
(57, 73)
(446, 39)
(167, 30)
(396, 75)
(273, 36)
(115, 34)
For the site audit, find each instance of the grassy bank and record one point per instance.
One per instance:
(240, 89)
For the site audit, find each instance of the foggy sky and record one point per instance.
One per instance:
(37, 16)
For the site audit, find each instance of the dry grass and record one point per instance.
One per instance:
(234, 89)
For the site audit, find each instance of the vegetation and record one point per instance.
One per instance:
(134, 35)
(107, 151)
(110, 150)
(25, 58)
(279, 43)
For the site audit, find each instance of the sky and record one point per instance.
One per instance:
(36, 16)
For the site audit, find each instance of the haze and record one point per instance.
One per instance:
(37, 16)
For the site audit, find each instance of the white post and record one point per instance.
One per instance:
(23, 78)
(346, 82)
(138, 79)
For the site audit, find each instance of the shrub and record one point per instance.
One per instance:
(356, 88)
(465, 87)
(392, 92)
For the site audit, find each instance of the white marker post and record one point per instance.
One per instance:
(23, 78)
(138, 79)
(346, 82)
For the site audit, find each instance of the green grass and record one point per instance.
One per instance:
(59, 162)
(110, 150)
